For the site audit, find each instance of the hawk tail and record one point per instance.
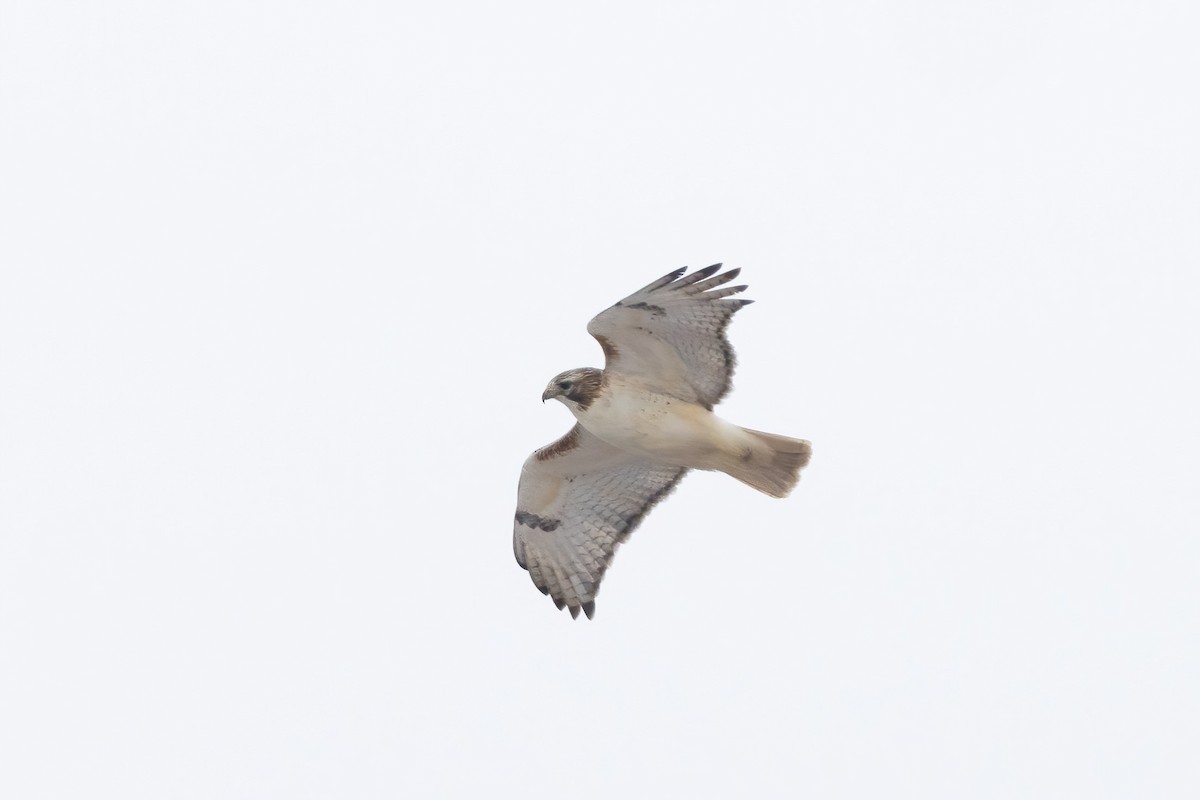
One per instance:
(772, 465)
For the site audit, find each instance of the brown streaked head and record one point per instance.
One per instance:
(575, 386)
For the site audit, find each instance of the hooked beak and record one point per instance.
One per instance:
(546, 395)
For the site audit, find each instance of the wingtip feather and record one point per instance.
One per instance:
(663, 281)
(698, 275)
(713, 282)
(726, 292)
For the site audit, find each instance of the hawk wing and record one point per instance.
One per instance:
(671, 335)
(578, 499)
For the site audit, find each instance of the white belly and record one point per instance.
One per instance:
(658, 426)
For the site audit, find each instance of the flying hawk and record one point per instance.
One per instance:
(641, 423)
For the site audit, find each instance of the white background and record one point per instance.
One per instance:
(282, 284)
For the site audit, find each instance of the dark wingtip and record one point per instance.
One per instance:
(589, 608)
(697, 276)
(670, 277)
(574, 612)
(561, 605)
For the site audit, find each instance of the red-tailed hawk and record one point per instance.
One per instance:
(641, 423)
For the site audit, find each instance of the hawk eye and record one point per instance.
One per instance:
(564, 385)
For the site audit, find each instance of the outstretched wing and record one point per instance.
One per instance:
(671, 334)
(578, 499)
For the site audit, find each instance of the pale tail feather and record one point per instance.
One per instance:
(773, 469)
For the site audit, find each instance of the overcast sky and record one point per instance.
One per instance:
(281, 284)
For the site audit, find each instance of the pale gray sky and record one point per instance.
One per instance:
(281, 285)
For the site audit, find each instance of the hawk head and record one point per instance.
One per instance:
(575, 388)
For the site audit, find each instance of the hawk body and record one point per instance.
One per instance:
(641, 423)
(661, 427)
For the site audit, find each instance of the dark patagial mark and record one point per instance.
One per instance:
(566, 443)
(610, 349)
(531, 520)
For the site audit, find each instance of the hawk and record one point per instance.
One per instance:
(641, 423)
